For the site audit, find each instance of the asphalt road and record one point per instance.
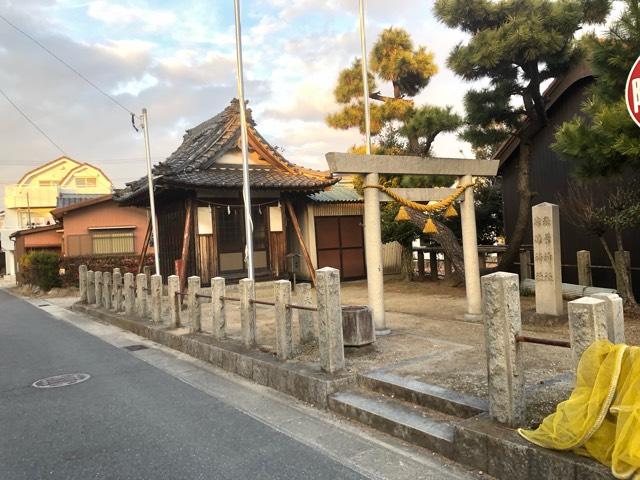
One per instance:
(130, 420)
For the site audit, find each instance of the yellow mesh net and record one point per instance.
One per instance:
(601, 418)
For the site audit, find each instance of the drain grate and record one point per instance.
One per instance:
(134, 348)
(61, 380)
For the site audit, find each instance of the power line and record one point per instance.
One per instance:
(26, 117)
(41, 45)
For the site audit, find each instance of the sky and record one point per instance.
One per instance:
(177, 59)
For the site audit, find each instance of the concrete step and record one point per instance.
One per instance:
(416, 425)
(423, 394)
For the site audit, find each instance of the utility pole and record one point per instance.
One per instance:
(152, 202)
(246, 193)
(372, 229)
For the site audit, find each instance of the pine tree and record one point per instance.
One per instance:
(516, 45)
(604, 142)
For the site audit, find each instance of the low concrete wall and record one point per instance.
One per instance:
(304, 382)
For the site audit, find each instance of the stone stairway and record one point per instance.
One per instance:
(422, 414)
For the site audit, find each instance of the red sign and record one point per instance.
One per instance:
(632, 92)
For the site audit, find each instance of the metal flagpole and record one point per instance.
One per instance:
(372, 229)
(152, 202)
(246, 193)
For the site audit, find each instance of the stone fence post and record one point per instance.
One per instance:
(330, 341)
(305, 317)
(525, 264)
(156, 298)
(284, 327)
(98, 280)
(615, 316)
(248, 312)
(217, 307)
(129, 294)
(193, 304)
(147, 271)
(583, 258)
(587, 323)
(82, 283)
(117, 290)
(91, 287)
(117, 270)
(173, 288)
(106, 290)
(141, 295)
(505, 366)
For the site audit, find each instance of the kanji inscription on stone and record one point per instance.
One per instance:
(547, 258)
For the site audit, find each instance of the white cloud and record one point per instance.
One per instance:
(117, 14)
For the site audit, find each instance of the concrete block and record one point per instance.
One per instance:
(587, 323)
(615, 316)
(117, 291)
(505, 365)
(507, 460)
(82, 283)
(583, 258)
(305, 317)
(98, 286)
(106, 290)
(141, 295)
(156, 298)
(129, 294)
(173, 284)
(218, 290)
(357, 326)
(470, 449)
(283, 318)
(247, 312)
(193, 304)
(244, 366)
(330, 341)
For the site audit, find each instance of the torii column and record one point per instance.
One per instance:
(412, 165)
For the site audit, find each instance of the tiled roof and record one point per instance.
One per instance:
(66, 199)
(336, 194)
(194, 163)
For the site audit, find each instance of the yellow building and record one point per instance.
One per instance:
(28, 203)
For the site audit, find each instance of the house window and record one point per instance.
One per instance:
(47, 183)
(85, 182)
(113, 242)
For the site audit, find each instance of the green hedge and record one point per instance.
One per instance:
(101, 263)
(41, 269)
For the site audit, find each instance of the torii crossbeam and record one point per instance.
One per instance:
(465, 169)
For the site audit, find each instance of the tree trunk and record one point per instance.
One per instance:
(406, 263)
(524, 206)
(621, 271)
(447, 240)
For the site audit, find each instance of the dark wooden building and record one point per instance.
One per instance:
(550, 177)
(200, 207)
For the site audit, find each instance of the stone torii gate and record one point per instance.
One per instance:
(372, 165)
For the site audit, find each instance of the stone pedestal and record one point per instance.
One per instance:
(193, 304)
(583, 258)
(247, 312)
(283, 317)
(305, 317)
(218, 307)
(173, 288)
(615, 316)
(546, 257)
(587, 323)
(357, 326)
(82, 283)
(505, 365)
(330, 341)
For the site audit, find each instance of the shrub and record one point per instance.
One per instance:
(103, 263)
(41, 269)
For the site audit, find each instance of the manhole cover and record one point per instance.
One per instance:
(133, 348)
(61, 380)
